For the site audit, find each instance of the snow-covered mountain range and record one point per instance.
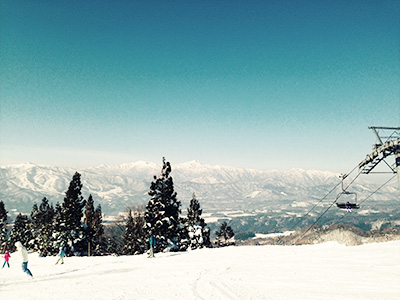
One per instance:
(218, 188)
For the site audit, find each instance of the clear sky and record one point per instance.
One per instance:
(256, 84)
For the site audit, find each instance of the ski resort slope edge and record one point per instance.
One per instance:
(325, 271)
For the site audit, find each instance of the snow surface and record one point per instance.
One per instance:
(324, 271)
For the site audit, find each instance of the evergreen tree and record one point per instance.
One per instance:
(129, 241)
(71, 234)
(113, 238)
(59, 237)
(198, 232)
(162, 212)
(21, 232)
(224, 235)
(98, 230)
(88, 221)
(111, 246)
(134, 237)
(3, 227)
(42, 227)
(93, 227)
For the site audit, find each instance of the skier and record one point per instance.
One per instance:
(6, 259)
(152, 244)
(61, 255)
(24, 255)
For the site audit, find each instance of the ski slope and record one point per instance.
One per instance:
(325, 271)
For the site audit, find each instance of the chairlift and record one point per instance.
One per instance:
(347, 205)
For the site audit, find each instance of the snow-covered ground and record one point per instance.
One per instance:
(325, 271)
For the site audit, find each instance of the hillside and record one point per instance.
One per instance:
(259, 201)
(343, 234)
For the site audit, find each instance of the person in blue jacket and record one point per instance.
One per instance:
(61, 255)
(152, 244)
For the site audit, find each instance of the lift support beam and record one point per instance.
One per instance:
(383, 150)
(373, 159)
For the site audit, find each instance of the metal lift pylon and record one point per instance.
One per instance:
(382, 150)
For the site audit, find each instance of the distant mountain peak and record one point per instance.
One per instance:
(219, 187)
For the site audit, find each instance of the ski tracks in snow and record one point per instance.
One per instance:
(210, 285)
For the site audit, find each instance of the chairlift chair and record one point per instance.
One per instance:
(347, 205)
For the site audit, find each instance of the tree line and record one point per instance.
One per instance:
(77, 226)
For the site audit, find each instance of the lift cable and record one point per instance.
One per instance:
(329, 207)
(319, 202)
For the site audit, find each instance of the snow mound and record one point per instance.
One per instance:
(345, 237)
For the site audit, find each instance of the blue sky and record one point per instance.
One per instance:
(257, 84)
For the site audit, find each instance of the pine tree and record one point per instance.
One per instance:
(98, 230)
(113, 238)
(21, 232)
(198, 232)
(129, 241)
(3, 227)
(88, 221)
(224, 235)
(162, 212)
(93, 227)
(71, 235)
(42, 227)
(134, 236)
(59, 237)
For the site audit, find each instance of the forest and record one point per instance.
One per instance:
(77, 226)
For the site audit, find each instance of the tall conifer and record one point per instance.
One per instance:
(162, 211)
(93, 227)
(98, 230)
(198, 232)
(71, 216)
(42, 227)
(134, 236)
(21, 232)
(3, 227)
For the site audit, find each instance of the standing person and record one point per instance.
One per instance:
(6, 259)
(152, 244)
(24, 255)
(61, 255)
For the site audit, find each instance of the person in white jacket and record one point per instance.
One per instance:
(24, 256)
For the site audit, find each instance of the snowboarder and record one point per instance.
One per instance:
(6, 259)
(61, 255)
(24, 255)
(152, 244)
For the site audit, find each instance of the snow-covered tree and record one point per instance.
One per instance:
(42, 227)
(224, 235)
(69, 230)
(88, 215)
(98, 230)
(3, 226)
(129, 241)
(21, 232)
(134, 237)
(93, 227)
(59, 236)
(162, 212)
(198, 232)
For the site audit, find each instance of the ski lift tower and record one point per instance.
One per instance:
(387, 145)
